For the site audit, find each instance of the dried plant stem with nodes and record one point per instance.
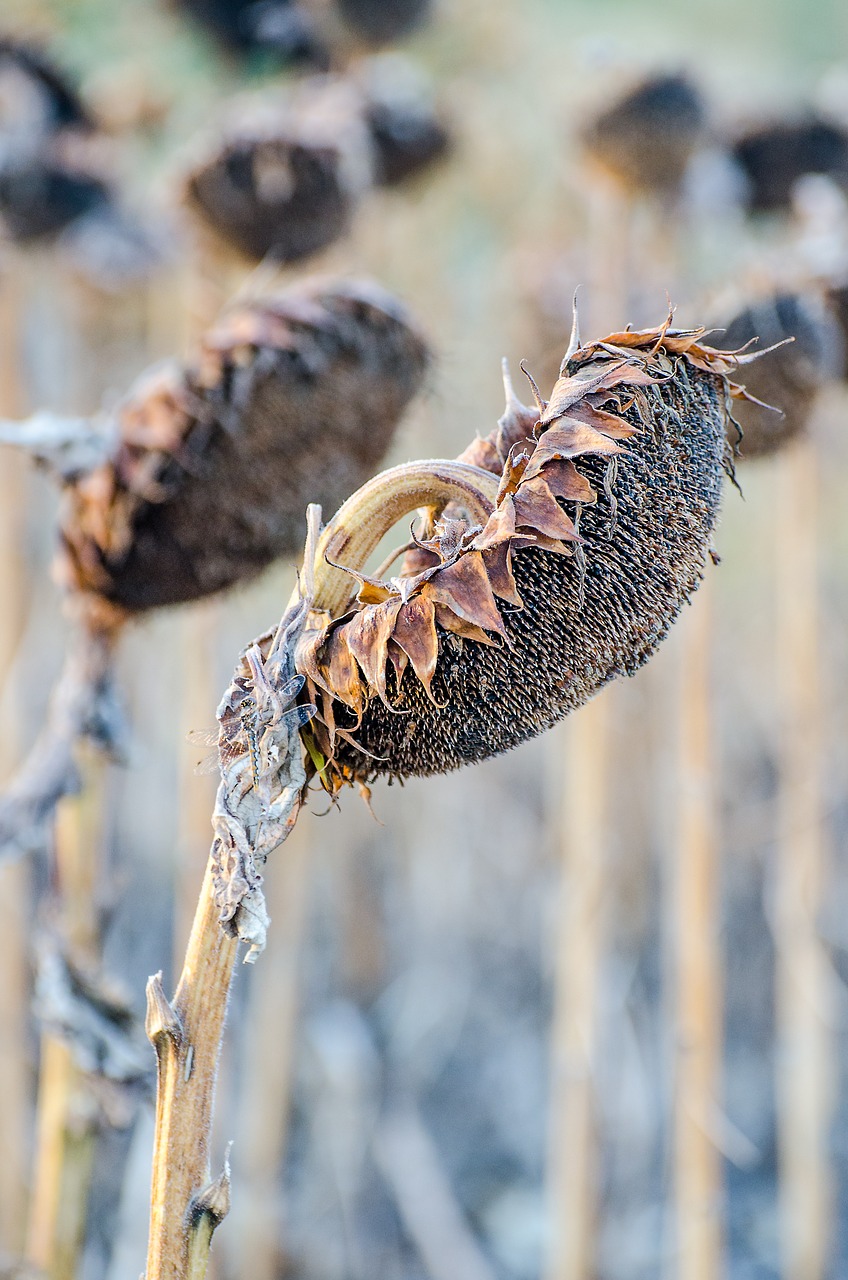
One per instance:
(67, 1110)
(572, 1159)
(693, 907)
(805, 1050)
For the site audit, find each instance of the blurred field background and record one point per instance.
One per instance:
(388, 1076)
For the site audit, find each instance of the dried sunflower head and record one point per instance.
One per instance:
(406, 131)
(286, 177)
(774, 156)
(284, 29)
(45, 189)
(36, 98)
(584, 526)
(294, 395)
(647, 138)
(788, 378)
(379, 22)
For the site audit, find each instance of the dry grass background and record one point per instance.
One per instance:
(406, 1010)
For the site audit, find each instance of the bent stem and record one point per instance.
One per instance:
(187, 1033)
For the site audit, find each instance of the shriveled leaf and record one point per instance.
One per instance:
(339, 671)
(568, 390)
(415, 634)
(537, 509)
(464, 588)
(565, 481)
(368, 634)
(498, 562)
(609, 423)
(459, 627)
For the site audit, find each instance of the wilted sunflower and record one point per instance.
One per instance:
(284, 178)
(647, 139)
(36, 98)
(379, 22)
(774, 156)
(786, 380)
(292, 395)
(557, 552)
(406, 131)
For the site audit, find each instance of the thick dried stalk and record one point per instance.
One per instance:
(187, 1037)
(694, 927)
(68, 1113)
(805, 1063)
(198, 693)
(359, 525)
(572, 1162)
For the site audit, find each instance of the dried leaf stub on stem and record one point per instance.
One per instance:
(789, 376)
(293, 396)
(601, 523)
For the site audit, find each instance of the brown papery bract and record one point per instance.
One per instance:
(293, 396)
(607, 501)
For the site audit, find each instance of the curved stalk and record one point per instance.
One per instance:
(359, 526)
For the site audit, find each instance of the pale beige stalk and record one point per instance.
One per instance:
(805, 1039)
(694, 911)
(14, 877)
(67, 1110)
(572, 1156)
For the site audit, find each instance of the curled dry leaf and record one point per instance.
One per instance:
(493, 630)
(782, 384)
(293, 396)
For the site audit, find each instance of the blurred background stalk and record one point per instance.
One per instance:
(804, 1049)
(15, 888)
(693, 906)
